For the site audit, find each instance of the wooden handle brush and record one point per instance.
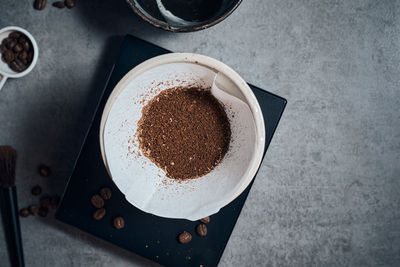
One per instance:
(9, 206)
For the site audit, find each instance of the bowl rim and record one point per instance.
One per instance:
(217, 66)
(199, 27)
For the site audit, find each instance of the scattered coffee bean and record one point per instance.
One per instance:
(99, 214)
(43, 211)
(205, 219)
(18, 48)
(70, 3)
(119, 223)
(105, 193)
(45, 202)
(59, 4)
(15, 35)
(201, 230)
(185, 237)
(36, 190)
(40, 4)
(97, 201)
(54, 201)
(33, 209)
(8, 56)
(44, 170)
(24, 212)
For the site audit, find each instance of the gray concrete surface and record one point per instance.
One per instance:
(328, 192)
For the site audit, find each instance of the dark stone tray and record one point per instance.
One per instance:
(150, 236)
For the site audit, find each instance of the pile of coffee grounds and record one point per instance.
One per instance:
(184, 131)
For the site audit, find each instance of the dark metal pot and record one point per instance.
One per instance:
(183, 15)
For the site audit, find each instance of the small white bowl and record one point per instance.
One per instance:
(5, 71)
(138, 179)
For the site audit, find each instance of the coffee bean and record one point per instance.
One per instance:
(8, 56)
(97, 201)
(21, 65)
(59, 4)
(201, 230)
(185, 237)
(105, 193)
(30, 56)
(54, 201)
(205, 219)
(3, 48)
(14, 35)
(23, 56)
(36, 190)
(22, 39)
(33, 209)
(43, 211)
(24, 212)
(11, 44)
(99, 214)
(70, 3)
(18, 48)
(40, 4)
(14, 66)
(5, 41)
(26, 46)
(17, 65)
(45, 201)
(43, 169)
(119, 223)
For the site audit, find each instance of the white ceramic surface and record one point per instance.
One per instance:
(5, 71)
(196, 205)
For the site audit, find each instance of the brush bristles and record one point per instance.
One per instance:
(8, 158)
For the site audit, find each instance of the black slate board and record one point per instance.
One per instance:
(150, 236)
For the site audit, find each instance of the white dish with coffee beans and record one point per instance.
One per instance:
(19, 53)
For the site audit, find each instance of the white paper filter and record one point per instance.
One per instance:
(143, 183)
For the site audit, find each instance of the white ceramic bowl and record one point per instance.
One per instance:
(195, 198)
(5, 71)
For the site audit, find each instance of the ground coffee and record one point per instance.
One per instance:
(184, 131)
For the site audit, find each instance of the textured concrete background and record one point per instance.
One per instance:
(328, 192)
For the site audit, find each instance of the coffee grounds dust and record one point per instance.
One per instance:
(184, 131)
